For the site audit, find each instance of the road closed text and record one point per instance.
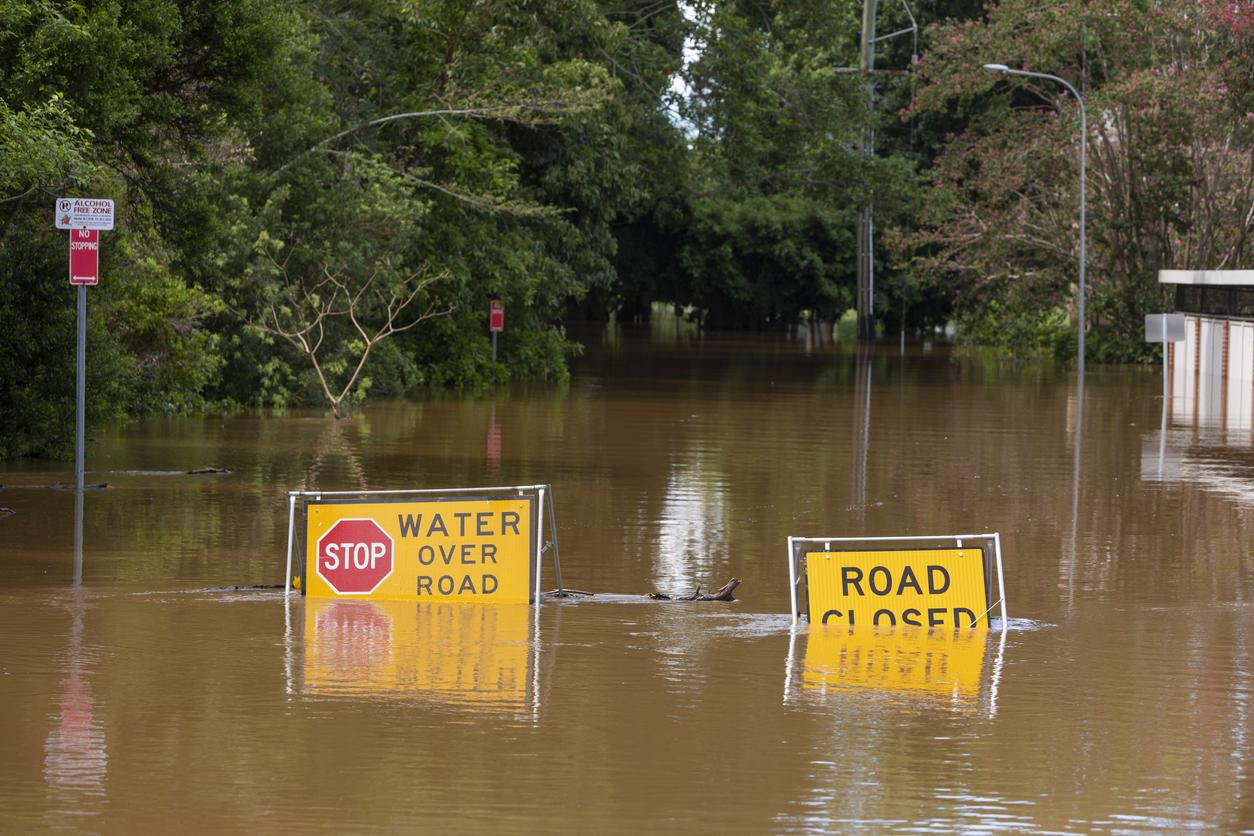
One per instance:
(448, 549)
(920, 588)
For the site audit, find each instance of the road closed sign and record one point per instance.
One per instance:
(456, 549)
(920, 588)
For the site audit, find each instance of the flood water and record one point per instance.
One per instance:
(1119, 699)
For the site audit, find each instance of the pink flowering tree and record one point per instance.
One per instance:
(1170, 164)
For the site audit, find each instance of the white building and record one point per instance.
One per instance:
(1212, 371)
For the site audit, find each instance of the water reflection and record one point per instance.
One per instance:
(1210, 448)
(942, 666)
(75, 755)
(492, 453)
(473, 656)
(1134, 712)
(861, 428)
(1076, 418)
(78, 538)
(75, 752)
(692, 531)
(340, 439)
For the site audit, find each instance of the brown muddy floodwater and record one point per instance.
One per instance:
(1120, 699)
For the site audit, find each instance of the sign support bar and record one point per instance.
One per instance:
(539, 545)
(80, 405)
(291, 528)
(792, 580)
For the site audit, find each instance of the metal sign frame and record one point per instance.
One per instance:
(795, 554)
(539, 492)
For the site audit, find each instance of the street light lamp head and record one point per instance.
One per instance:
(997, 68)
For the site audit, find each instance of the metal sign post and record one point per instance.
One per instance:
(84, 272)
(1164, 328)
(80, 403)
(496, 322)
(84, 217)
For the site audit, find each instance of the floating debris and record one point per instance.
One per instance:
(724, 593)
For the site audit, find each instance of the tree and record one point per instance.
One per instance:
(335, 272)
(1171, 174)
(125, 100)
(776, 165)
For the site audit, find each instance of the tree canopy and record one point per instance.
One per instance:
(318, 198)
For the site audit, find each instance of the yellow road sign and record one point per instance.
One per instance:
(919, 588)
(473, 550)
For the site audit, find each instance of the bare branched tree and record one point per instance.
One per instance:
(302, 313)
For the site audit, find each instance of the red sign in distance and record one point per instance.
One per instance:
(85, 256)
(354, 556)
(496, 316)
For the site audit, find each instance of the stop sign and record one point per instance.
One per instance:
(354, 556)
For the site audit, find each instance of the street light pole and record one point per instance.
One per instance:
(865, 302)
(1002, 68)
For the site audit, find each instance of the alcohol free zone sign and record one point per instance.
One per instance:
(480, 550)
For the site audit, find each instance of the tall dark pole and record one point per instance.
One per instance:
(866, 221)
(80, 408)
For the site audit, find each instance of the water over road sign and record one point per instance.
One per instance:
(354, 556)
(84, 257)
(496, 316)
(455, 549)
(84, 213)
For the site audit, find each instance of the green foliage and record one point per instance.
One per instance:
(1169, 165)
(125, 100)
(155, 321)
(41, 146)
(764, 223)
(763, 260)
(317, 200)
(427, 153)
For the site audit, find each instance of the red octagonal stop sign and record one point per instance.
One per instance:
(354, 556)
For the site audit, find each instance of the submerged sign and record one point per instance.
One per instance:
(945, 664)
(919, 588)
(469, 655)
(463, 549)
